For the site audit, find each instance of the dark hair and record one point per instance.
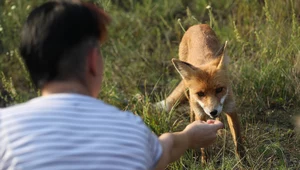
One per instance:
(51, 34)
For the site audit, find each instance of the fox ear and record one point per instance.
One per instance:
(184, 69)
(224, 59)
(222, 50)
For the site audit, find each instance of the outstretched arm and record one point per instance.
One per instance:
(195, 135)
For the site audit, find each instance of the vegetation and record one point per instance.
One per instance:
(264, 45)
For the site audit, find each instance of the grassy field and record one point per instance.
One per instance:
(264, 46)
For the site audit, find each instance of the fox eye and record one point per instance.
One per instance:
(219, 90)
(201, 94)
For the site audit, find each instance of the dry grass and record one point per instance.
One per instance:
(264, 38)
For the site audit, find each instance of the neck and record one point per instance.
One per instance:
(65, 87)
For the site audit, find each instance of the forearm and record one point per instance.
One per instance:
(174, 145)
(196, 135)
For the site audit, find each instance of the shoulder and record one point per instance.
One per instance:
(133, 120)
(13, 108)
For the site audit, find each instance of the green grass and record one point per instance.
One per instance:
(264, 45)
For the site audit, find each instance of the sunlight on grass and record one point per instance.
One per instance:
(264, 39)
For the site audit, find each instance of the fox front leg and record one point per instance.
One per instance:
(192, 115)
(234, 125)
(203, 150)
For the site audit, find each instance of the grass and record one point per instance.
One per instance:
(264, 45)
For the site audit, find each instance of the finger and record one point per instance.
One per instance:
(218, 124)
(210, 121)
(200, 121)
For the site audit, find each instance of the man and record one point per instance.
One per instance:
(67, 127)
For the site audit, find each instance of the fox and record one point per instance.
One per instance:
(203, 67)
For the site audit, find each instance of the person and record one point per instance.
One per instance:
(67, 127)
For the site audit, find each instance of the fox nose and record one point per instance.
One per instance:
(214, 113)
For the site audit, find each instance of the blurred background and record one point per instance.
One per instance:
(263, 43)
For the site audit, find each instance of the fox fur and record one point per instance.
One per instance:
(203, 67)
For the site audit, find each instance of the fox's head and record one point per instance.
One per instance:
(208, 84)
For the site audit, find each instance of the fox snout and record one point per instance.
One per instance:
(212, 112)
(212, 106)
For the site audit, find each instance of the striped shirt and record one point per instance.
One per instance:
(74, 132)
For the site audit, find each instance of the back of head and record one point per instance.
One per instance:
(56, 37)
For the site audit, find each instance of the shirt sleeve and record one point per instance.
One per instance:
(153, 146)
(155, 149)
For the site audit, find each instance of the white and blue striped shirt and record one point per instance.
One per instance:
(74, 132)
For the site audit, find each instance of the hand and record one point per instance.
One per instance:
(201, 134)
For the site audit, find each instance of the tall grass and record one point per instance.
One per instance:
(264, 42)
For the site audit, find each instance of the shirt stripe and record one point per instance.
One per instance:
(74, 132)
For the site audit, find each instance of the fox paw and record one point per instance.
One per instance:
(162, 105)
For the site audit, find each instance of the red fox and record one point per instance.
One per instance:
(203, 68)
